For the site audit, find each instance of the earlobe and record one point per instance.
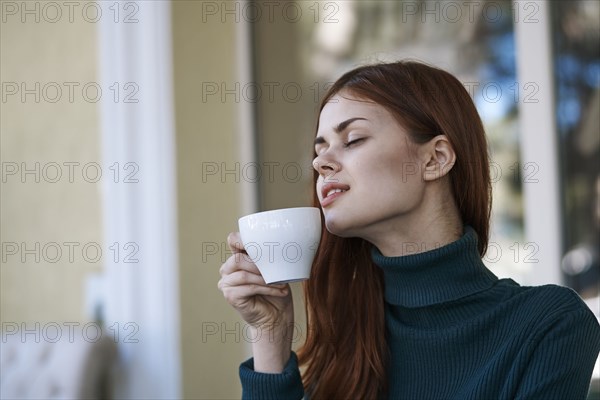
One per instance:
(440, 158)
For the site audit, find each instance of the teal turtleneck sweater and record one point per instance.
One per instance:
(456, 331)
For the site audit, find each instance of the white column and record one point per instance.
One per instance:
(539, 156)
(140, 217)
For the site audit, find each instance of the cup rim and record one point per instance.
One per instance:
(275, 211)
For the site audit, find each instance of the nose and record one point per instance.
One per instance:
(326, 166)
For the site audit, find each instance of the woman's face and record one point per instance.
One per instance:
(369, 175)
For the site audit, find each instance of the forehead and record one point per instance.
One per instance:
(344, 105)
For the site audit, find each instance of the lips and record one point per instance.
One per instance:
(331, 191)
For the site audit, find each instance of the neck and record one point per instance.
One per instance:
(434, 224)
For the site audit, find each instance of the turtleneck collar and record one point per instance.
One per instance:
(444, 274)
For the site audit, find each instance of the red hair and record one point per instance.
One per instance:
(345, 352)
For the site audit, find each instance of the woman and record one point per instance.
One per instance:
(399, 303)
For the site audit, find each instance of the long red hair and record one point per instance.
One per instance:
(345, 352)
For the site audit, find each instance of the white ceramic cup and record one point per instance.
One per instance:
(282, 243)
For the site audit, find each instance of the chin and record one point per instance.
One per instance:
(339, 228)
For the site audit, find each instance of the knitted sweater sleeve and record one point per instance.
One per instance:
(263, 386)
(561, 364)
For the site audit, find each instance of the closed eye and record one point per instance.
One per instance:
(353, 142)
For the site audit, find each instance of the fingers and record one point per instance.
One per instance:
(236, 295)
(243, 292)
(234, 240)
(239, 271)
(238, 261)
(241, 277)
(241, 284)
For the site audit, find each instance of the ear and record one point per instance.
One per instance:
(439, 158)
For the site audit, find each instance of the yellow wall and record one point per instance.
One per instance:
(62, 132)
(286, 123)
(208, 210)
(286, 120)
(205, 61)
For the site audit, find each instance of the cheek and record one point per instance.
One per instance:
(394, 187)
(406, 173)
(392, 170)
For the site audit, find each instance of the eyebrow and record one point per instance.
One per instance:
(339, 128)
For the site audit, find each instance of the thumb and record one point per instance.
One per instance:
(234, 240)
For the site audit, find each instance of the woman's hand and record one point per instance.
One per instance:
(245, 289)
(267, 308)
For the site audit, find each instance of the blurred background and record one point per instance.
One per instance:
(134, 134)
